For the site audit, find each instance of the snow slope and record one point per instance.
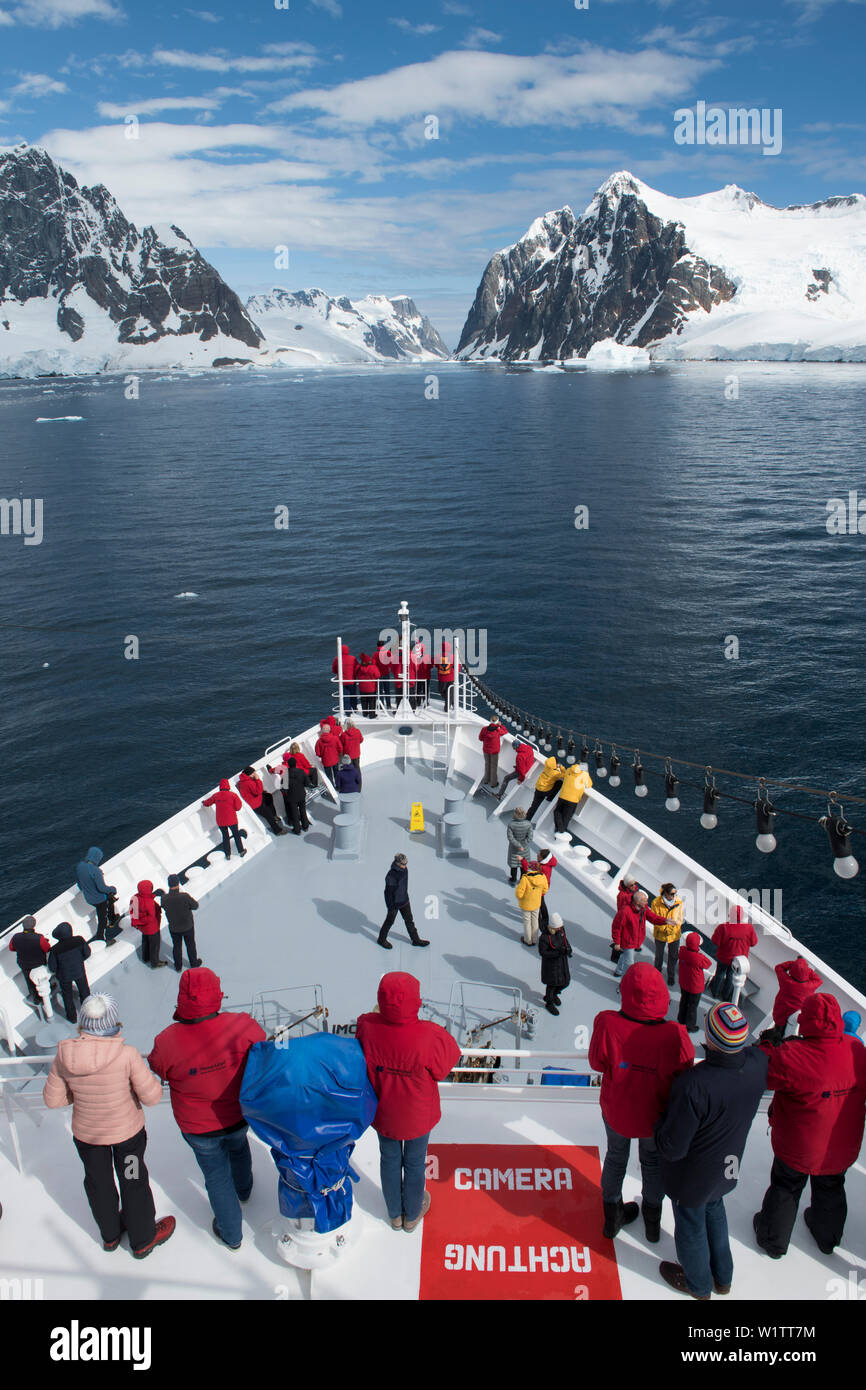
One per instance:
(310, 326)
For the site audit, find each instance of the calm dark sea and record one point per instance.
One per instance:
(706, 520)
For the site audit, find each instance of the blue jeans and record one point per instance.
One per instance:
(616, 1163)
(227, 1166)
(402, 1168)
(703, 1248)
(626, 959)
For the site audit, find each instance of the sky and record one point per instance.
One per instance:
(391, 146)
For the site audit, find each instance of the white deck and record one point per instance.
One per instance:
(289, 916)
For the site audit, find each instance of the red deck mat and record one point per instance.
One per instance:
(516, 1221)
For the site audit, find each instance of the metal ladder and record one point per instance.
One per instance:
(440, 748)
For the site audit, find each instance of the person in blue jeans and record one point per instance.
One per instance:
(700, 1141)
(202, 1056)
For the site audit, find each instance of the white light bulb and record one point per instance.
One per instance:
(766, 843)
(641, 790)
(709, 822)
(615, 780)
(846, 866)
(672, 803)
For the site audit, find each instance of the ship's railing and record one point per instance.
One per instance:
(425, 695)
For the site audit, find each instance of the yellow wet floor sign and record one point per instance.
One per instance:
(416, 820)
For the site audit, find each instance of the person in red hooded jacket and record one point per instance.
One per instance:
(490, 738)
(328, 750)
(638, 1052)
(227, 804)
(145, 913)
(524, 760)
(816, 1120)
(368, 676)
(628, 928)
(797, 980)
(692, 964)
(731, 939)
(405, 1057)
(252, 790)
(351, 739)
(349, 665)
(202, 1057)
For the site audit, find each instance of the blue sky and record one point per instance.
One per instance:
(306, 126)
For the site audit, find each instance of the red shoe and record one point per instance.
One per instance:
(164, 1229)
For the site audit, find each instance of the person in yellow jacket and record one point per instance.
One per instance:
(547, 785)
(574, 784)
(667, 933)
(529, 893)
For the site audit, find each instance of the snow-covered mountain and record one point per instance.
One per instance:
(309, 326)
(722, 275)
(83, 290)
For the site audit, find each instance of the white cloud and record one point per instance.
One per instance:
(478, 37)
(207, 15)
(421, 30)
(37, 84)
(5, 18)
(593, 84)
(331, 7)
(116, 110)
(277, 58)
(53, 14)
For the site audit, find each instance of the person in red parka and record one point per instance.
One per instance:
(349, 666)
(797, 980)
(227, 804)
(423, 666)
(202, 1057)
(816, 1119)
(145, 913)
(351, 739)
(638, 1053)
(384, 661)
(252, 790)
(490, 738)
(628, 928)
(731, 939)
(405, 1059)
(524, 760)
(368, 676)
(328, 750)
(692, 964)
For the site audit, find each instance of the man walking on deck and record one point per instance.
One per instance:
(397, 900)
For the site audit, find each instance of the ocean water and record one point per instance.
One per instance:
(707, 521)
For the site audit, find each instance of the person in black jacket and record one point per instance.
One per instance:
(397, 900)
(30, 951)
(178, 908)
(67, 959)
(554, 950)
(700, 1142)
(295, 796)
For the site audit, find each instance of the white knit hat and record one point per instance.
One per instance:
(99, 1015)
(555, 920)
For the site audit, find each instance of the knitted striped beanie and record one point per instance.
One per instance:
(727, 1028)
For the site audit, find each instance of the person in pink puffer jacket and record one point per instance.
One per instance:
(106, 1081)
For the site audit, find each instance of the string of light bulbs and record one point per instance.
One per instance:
(839, 831)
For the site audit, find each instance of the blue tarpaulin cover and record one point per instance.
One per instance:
(310, 1099)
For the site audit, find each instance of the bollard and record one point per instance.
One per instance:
(347, 836)
(454, 835)
(350, 804)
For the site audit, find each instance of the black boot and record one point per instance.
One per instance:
(617, 1215)
(652, 1220)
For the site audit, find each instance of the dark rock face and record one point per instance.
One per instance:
(57, 239)
(618, 272)
(820, 285)
(426, 334)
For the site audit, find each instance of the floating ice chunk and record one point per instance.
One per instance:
(609, 355)
(53, 419)
(187, 593)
